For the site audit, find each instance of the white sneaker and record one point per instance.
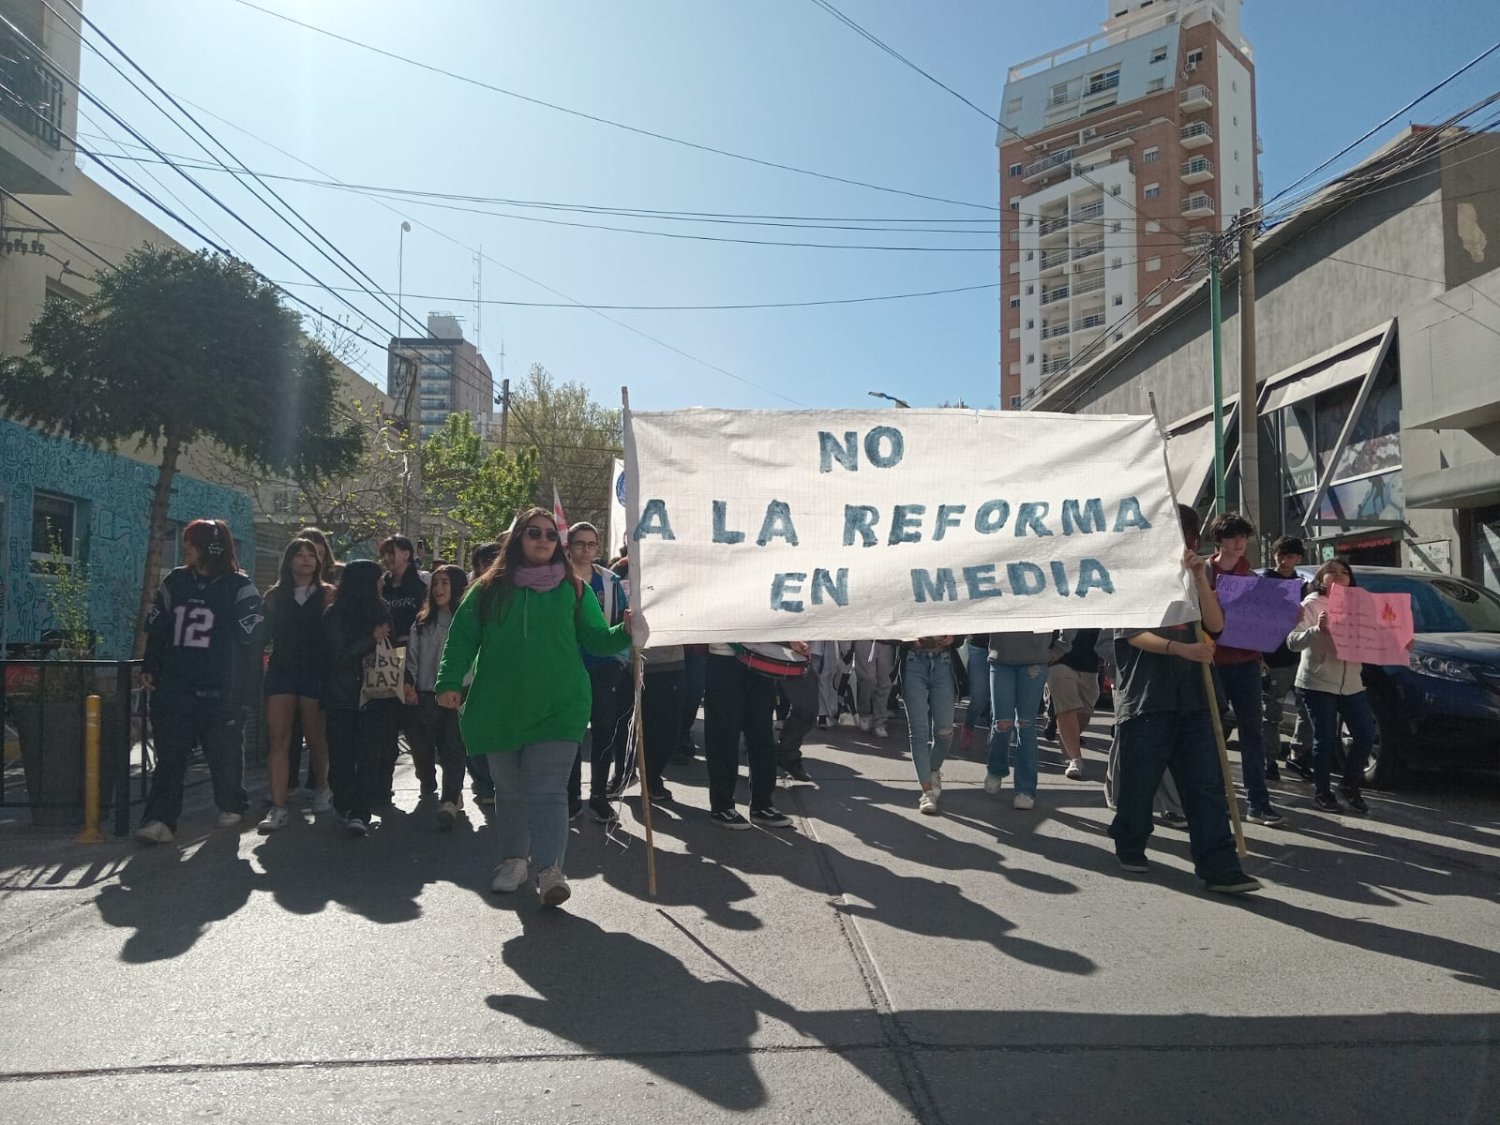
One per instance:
(937, 784)
(880, 731)
(927, 803)
(509, 875)
(154, 832)
(229, 820)
(276, 817)
(552, 886)
(1074, 770)
(322, 800)
(993, 783)
(863, 722)
(1024, 801)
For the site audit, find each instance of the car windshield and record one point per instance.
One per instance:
(1440, 605)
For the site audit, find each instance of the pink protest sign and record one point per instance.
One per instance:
(1369, 628)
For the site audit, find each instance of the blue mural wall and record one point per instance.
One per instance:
(115, 497)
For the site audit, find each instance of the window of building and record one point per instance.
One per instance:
(1030, 323)
(1194, 57)
(1015, 302)
(1119, 300)
(1151, 156)
(1030, 289)
(1013, 106)
(1103, 80)
(1015, 204)
(1158, 54)
(1015, 402)
(54, 531)
(1030, 358)
(1115, 263)
(1030, 255)
(1015, 169)
(1156, 85)
(1153, 264)
(1235, 118)
(1152, 191)
(1114, 228)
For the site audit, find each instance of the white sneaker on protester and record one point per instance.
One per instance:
(553, 888)
(154, 832)
(322, 800)
(1074, 770)
(276, 817)
(937, 784)
(880, 731)
(229, 820)
(1024, 801)
(863, 722)
(509, 875)
(993, 783)
(927, 803)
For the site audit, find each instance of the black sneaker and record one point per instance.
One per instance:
(602, 810)
(730, 819)
(616, 787)
(355, 827)
(1300, 768)
(1354, 799)
(1170, 819)
(1272, 772)
(429, 790)
(1327, 802)
(797, 772)
(1232, 882)
(575, 806)
(768, 817)
(1264, 814)
(659, 794)
(1135, 864)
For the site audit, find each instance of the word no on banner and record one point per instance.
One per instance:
(764, 526)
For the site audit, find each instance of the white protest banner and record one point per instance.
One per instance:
(616, 526)
(815, 525)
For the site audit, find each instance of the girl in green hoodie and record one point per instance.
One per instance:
(519, 628)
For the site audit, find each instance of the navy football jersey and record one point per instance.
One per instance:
(205, 635)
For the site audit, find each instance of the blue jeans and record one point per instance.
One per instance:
(1241, 683)
(1015, 699)
(1326, 709)
(979, 684)
(531, 801)
(927, 691)
(1182, 742)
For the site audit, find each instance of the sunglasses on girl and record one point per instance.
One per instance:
(548, 533)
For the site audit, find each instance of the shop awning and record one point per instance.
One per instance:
(1190, 449)
(1325, 372)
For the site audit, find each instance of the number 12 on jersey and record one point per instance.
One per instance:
(194, 626)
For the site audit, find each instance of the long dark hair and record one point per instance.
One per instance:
(1320, 580)
(286, 583)
(327, 565)
(358, 606)
(457, 582)
(500, 577)
(214, 543)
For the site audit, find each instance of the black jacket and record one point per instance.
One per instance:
(204, 636)
(346, 654)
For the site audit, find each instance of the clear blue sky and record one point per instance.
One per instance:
(777, 79)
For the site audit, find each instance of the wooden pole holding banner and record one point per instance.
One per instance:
(1208, 689)
(638, 667)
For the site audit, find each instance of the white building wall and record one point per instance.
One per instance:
(1235, 167)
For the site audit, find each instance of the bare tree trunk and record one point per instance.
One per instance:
(157, 524)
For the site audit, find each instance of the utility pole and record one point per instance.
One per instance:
(504, 411)
(1249, 392)
(1214, 313)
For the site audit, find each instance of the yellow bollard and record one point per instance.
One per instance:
(90, 833)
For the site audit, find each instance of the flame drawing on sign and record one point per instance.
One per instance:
(1388, 614)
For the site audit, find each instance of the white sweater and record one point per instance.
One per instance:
(1321, 669)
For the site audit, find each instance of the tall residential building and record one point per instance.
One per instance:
(1121, 156)
(453, 377)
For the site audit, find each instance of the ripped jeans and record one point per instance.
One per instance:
(1015, 699)
(929, 694)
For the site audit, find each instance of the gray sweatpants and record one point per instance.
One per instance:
(873, 661)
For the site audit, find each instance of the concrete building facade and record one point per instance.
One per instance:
(452, 377)
(1121, 156)
(1378, 365)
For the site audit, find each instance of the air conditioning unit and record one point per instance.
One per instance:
(1192, 66)
(1090, 133)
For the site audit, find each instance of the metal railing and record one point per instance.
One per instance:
(1197, 92)
(1054, 258)
(1048, 163)
(1202, 203)
(1089, 282)
(1056, 364)
(1195, 129)
(1093, 320)
(1051, 296)
(1197, 165)
(1051, 331)
(1088, 250)
(1102, 85)
(1052, 226)
(31, 92)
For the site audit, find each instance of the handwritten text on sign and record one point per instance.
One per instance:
(756, 526)
(1369, 628)
(1258, 612)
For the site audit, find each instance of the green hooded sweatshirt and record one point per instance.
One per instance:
(529, 684)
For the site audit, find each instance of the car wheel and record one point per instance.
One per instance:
(1384, 769)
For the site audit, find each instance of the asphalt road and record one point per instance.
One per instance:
(870, 965)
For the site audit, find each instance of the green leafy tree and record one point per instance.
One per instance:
(479, 489)
(576, 439)
(176, 347)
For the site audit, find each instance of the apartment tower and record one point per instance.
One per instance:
(1121, 156)
(453, 378)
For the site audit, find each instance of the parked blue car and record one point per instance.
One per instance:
(1442, 708)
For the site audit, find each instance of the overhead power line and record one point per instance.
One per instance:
(431, 68)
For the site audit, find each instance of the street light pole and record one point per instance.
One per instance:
(902, 403)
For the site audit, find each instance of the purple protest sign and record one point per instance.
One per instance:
(1258, 612)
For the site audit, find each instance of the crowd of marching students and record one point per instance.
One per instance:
(507, 664)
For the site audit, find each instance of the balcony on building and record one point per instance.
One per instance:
(1101, 89)
(1055, 294)
(1052, 165)
(1054, 225)
(1198, 170)
(1088, 248)
(1053, 365)
(1196, 134)
(1053, 260)
(37, 113)
(1090, 320)
(1198, 206)
(1088, 282)
(1196, 97)
(1053, 331)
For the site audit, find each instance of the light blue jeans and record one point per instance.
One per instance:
(1015, 698)
(927, 691)
(979, 684)
(531, 801)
